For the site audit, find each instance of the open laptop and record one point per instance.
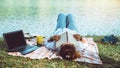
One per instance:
(16, 42)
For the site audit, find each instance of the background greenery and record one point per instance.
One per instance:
(109, 54)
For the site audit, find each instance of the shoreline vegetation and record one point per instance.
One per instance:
(109, 54)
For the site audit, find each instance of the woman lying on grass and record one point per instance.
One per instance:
(68, 50)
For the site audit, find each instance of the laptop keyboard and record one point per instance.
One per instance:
(24, 49)
(21, 48)
(18, 48)
(29, 49)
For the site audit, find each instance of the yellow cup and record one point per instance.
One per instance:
(40, 39)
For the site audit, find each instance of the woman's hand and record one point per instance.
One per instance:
(54, 38)
(77, 37)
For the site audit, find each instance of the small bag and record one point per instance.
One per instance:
(110, 39)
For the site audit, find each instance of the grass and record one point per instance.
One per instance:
(109, 54)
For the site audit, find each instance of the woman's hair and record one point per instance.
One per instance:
(68, 52)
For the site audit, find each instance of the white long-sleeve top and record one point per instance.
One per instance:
(52, 46)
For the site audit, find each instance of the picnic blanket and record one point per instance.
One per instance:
(90, 54)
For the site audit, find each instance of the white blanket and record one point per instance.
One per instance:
(89, 54)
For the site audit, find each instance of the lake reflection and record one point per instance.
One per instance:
(93, 17)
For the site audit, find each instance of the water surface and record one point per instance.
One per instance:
(38, 17)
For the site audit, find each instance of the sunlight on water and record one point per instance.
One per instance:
(93, 17)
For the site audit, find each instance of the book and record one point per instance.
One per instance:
(66, 37)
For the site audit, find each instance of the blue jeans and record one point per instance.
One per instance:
(66, 22)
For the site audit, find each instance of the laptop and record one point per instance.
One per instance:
(16, 42)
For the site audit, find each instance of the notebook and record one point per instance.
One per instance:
(16, 42)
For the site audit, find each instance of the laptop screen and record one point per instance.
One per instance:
(14, 39)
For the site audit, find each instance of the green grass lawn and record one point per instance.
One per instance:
(109, 54)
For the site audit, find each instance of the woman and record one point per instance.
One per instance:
(67, 50)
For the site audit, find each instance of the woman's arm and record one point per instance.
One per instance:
(79, 38)
(54, 38)
(50, 43)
